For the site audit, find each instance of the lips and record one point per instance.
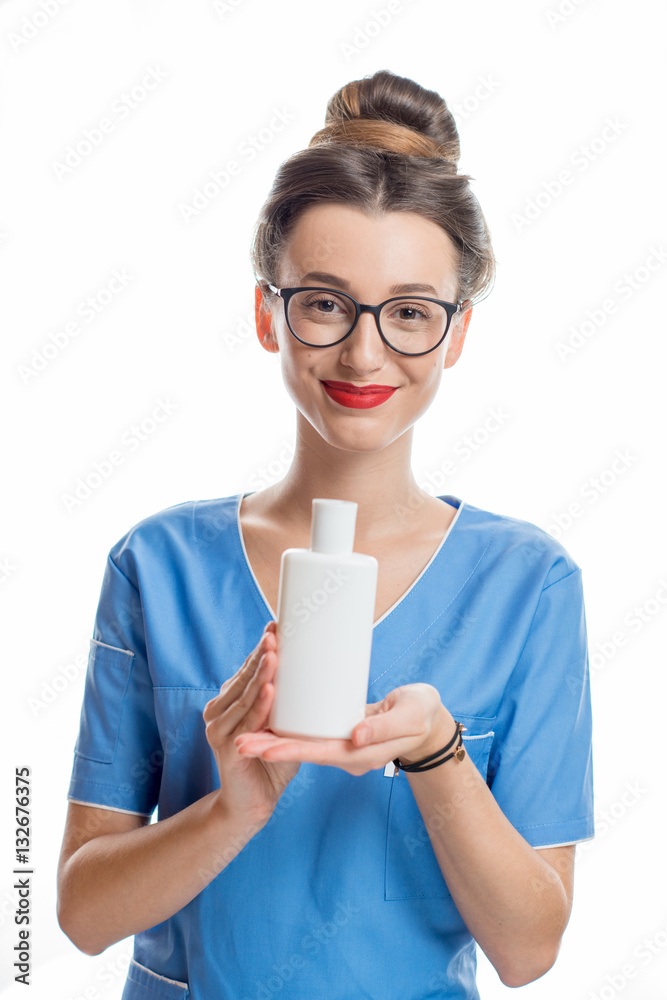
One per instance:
(358, 397)
(363, 389)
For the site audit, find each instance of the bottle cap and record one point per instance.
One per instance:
(332, 526)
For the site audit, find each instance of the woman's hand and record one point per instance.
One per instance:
(410, 722)
(248, 786)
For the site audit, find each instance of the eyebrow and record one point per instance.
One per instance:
(333, 279)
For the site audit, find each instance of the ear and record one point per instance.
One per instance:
(457, 335)
(264, 323)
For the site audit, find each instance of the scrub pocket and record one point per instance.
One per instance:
(107, 678)
(411, 867)
(143, 984)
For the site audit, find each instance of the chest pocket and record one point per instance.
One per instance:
(186, 760)
(144, 984)
(411, 867)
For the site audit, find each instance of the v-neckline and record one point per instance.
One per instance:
(397, 604)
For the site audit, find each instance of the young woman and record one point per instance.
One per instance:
(319, 869)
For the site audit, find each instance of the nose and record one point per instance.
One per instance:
(365, 346)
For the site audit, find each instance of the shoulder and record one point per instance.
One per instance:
(172, 531)
(521, 544)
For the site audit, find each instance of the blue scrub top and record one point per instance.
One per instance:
(340, 895)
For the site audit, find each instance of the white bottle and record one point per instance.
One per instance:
(326, 606)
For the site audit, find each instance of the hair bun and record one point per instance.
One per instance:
(407, 161)
(392, 113)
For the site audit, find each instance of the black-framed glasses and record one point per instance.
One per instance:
(409, 324)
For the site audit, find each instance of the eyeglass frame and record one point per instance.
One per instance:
(451, 308)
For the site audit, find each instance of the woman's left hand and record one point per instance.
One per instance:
(410, 723)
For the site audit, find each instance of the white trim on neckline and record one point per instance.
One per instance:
(396, 603)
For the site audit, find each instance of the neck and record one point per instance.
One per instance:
(380, 482)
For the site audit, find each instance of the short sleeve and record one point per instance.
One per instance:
(541, 766)
(118, 754)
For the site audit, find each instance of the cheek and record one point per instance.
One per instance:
(426, 384)
(297, 369)
(432, 375)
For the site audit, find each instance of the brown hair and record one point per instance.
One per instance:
(388, 145)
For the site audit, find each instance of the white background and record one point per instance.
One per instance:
(531, 90)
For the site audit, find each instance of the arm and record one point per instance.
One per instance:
(119, 875)
(515, 899)
(515, 903)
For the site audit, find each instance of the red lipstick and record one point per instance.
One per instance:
(358, 396)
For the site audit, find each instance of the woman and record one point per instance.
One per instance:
(303, 869)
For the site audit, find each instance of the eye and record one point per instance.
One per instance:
(324, 303)
(411, 311)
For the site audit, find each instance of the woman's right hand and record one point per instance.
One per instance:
(248, 786)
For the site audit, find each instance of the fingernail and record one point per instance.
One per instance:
(363, 734)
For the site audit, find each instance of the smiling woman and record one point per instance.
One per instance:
(450, 817)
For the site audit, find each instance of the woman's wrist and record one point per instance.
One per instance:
(238, 821)
(440, 733)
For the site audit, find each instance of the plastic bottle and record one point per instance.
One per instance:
(326, 606)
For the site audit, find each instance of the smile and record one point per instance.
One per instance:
(358, 397)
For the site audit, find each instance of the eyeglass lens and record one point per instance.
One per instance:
(322, 317)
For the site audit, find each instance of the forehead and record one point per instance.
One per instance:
(370, 250)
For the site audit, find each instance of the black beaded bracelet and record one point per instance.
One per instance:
(425, 765)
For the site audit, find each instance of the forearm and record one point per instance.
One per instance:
(510, 898)
(118, 884)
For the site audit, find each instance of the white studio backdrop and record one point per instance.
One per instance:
(139, 140)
